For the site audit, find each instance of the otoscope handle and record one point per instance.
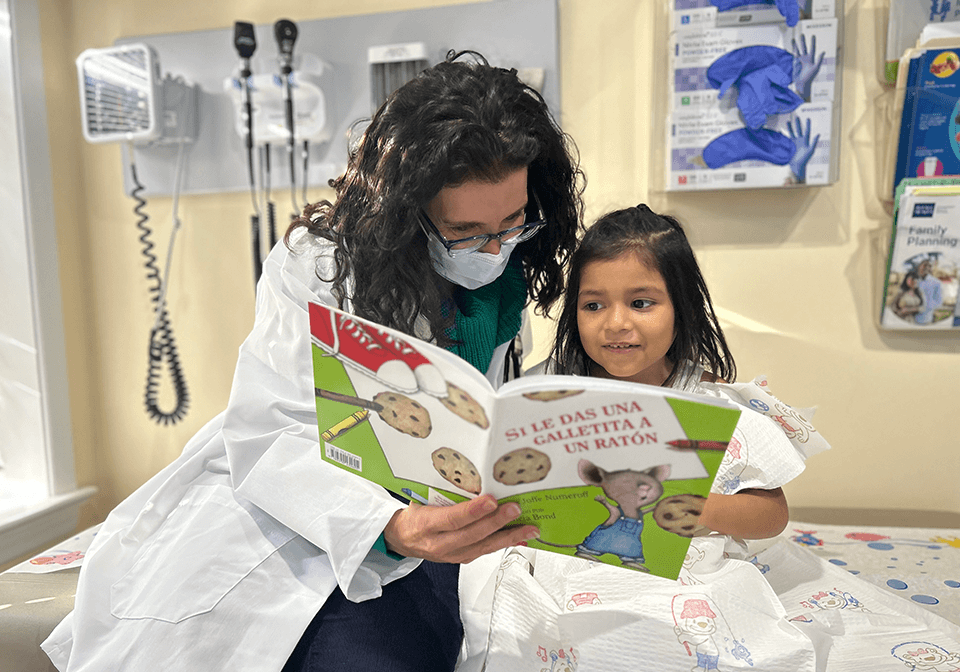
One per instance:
(289, 115)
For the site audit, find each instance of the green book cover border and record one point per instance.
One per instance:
(564, 515)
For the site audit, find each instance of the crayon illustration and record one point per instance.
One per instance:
(345, 425)
(681, 444)
(398, 411)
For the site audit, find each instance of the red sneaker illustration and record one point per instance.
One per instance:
(429, 378)
(352, 344)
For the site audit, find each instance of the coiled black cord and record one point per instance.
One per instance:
(255, 242)
(272, 222)
(162, 346)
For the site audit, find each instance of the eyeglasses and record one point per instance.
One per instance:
(511, 236)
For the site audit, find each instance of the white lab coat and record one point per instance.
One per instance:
(222, 559)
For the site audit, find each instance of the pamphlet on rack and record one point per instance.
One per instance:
(921, 287)
(596, 464)
(725, 13)
(929, 136)
(907, 21)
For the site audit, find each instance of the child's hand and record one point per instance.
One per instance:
(458, 533)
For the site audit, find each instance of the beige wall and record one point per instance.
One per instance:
(794, 273)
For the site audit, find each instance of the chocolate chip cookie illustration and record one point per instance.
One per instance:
(404, 414)
(524, 465)
(457, 469)
(550, 395)
(679, 513)
(465, 406)
(398, 411)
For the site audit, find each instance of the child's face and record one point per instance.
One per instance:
(625, 319)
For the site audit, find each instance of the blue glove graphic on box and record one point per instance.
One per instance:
(761, 144)
(762, 75)
(805, 147)
(806, 65)
(789, 8)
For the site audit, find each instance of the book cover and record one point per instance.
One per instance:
(921, 287)
(607, 470)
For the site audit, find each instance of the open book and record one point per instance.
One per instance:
(608, 470)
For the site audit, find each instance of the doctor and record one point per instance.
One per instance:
(462, 199)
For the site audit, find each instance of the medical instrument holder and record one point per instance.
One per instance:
(330, 56)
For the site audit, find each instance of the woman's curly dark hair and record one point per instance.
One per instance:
(456, 121)
(661, 242)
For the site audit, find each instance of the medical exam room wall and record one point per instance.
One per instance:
(794, 274)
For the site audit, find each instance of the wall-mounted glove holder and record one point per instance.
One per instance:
(753, 94)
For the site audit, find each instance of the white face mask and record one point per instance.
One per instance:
(470, 270)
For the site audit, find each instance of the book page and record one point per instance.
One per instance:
(615, 424)
(608, 470)
(397, 410)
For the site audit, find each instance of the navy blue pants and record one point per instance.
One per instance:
(413, 627)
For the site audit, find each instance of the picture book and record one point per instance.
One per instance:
(607, 470)
(922, 284)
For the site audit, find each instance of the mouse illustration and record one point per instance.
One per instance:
(635, 494)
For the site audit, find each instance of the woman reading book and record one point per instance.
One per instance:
(461, 202)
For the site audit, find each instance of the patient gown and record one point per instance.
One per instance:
(769, 605)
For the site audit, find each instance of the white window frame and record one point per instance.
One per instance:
(39, 500)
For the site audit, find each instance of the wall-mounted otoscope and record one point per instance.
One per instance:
(245, 42)
(285, 32)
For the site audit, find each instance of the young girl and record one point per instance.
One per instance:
(637, 308)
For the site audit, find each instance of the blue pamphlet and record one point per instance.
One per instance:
(930, 125)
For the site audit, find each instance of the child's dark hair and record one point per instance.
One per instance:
(660, 241)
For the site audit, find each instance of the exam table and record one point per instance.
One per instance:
(915, 554)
